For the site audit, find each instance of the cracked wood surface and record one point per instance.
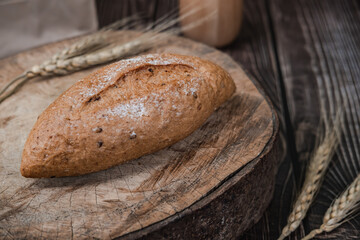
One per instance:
(149, 192)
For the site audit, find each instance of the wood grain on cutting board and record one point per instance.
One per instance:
(146, 195)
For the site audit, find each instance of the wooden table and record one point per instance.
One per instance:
(292, 47)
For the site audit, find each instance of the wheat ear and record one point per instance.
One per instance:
(319, 162)
(340, 209)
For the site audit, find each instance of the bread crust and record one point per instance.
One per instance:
(123, 111)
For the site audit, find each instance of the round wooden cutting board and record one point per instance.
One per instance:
(212, 185)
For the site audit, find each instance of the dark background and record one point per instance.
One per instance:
(297, 50)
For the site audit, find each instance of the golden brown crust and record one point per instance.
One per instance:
(123, 111)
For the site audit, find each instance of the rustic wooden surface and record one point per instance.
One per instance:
(294, 48)
(318, 51)
(213, 184)
(288, 46)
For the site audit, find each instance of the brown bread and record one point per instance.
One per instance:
(123, 111)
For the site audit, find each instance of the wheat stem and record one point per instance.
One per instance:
(340, 209)
(312, 234)
(88, 44)
(92, 42)
(17, 87)
(11, 83)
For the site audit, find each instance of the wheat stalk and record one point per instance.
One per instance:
(99, 48)
(314, 175)
(341, 208)
(66, 64)
(88, 44)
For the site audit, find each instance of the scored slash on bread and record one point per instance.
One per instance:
(123, 111)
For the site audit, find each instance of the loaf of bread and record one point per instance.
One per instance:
(123, 111)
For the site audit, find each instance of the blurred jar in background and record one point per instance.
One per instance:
(222, 24)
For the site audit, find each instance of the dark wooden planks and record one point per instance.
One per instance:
(150, 10)
(318, 52)
(254, 49)
(111, 10)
